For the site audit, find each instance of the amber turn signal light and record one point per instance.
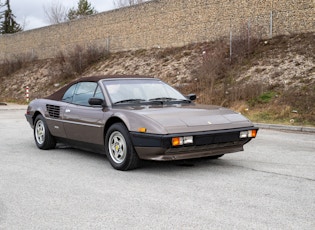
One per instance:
(252, 133)
(249, 133)
(177, 141)
(142, 130)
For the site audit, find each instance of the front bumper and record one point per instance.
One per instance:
(29, 119)
(210, 143)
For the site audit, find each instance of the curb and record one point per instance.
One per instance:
(11, 106)
(286, 127)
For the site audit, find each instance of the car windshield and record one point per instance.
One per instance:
(123, 91)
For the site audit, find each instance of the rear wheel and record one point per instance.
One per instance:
(43, 138)
(119, 149)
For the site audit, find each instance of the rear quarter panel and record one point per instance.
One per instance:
(55, 124)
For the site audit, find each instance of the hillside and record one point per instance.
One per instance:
(274, 82)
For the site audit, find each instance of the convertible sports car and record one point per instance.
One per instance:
(134, 118)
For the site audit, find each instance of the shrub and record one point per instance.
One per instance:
(213, 68)
(77, 60)
(244, 43)
(17, 62)
(262, 98)
(216, 75)
(301, 101)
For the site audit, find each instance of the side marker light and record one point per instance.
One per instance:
(142, 130)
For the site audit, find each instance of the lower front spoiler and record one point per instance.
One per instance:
(160, 154)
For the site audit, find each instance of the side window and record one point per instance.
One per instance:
(68, 96)
(84, 92)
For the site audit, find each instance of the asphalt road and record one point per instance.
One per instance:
(271, 185)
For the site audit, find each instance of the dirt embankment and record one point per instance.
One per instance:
(283, 64)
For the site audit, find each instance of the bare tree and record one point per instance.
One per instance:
(123, 3)
(56, 13)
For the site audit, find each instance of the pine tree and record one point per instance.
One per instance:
(84, 9)
(8, 25)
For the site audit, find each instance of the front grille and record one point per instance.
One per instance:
(217, 138)
(53, 111)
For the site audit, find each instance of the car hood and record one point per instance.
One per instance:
(194, 118)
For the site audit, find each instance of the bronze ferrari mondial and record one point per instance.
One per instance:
(134, 118)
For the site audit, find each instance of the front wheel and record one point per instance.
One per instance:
(43, 138)
(119, 149)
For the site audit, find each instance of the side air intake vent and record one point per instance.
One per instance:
(53, 110)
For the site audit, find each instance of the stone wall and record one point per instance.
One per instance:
(164, 23)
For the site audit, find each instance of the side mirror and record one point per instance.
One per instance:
(96, 101)
(191, 97)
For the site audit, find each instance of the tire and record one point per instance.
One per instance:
(119, 149)
(43, 138)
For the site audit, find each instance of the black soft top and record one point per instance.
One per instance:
(57, 96)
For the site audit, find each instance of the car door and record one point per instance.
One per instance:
(83, 122)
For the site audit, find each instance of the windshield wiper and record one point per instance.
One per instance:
(129, 101)
(169, 99)
(162, 99)
(184, 100)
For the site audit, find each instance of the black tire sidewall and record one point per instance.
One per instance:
(49, 141)
(131, 160)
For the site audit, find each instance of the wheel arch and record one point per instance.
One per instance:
(35, 115)
(130, 158)
(43, 138)
(112, 121)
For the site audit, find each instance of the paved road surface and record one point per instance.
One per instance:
(271, 185)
